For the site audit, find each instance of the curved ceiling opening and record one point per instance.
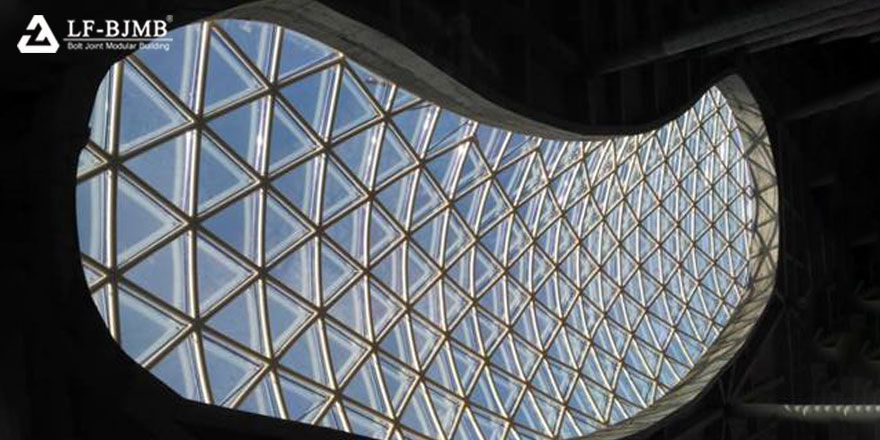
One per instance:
(267, 225)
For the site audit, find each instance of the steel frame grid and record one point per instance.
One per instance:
(614, 153)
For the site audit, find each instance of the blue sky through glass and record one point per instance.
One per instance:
(341, 252)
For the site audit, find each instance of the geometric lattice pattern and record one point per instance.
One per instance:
(268, 226)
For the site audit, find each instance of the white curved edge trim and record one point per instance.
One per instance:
(391, 59)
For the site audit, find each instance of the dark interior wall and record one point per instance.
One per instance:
(597, 67)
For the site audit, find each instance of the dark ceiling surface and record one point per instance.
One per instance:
(594, 67)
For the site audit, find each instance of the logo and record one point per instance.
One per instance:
(44, 42)
(111, 34)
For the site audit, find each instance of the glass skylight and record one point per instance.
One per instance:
(266, 225)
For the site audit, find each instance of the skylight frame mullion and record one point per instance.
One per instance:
(110, 194)
(200, 73)
(607, 195)
(260, 284)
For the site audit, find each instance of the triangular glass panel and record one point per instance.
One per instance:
(528, 414)
(339, 191)
(509, 389)
(466, 333)
(425, 339)
(396, 197)
(240, 319)
(429, 235)
(91, 216)
(227, 77)
(418, 272)
(242, 130)
(449, 128)
(383, 309)
(366, 424)
(382, 232)
(466, 429)
(402, 98)
(528, 357)
(297, 271)
(165, 168)
(218, 274)
(466, 365)
(485, 270)
(417, 415)
(580, 401)
(144, 113)
(444, 168)
(288, 140)
(455, 302)
(389, 271)
(471, 204)
(472, 169)
(164, 273)
(306, 357)
(379, 87)
(286, 316)
(254, 38)
(176, 67)
(493, 301)
(414, 124)
(312, 97)
(227, 370)
(144, 220)
(99, 121)
(358, 153)
(281, 228)
(300, 187)
(349, 233)
(427, 200)
(490, 330)
(564, 377)
(441, 372)
(143, 328)
(179, 370)
(261, 400)
(397, 380)
(491, 426)
(482, 394)
(457, 237)
(353, 108)
(345, 352)
(299, 52)
(397, 342)
(446, 407)
(219, 176)
(551, 411)
(237, 225)
(336, 272)
(304, 402)
(87, 161)
(365, 387)
(393, 157)
(351, 309)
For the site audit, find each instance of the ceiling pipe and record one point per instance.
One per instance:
(718, 30)
(836, 100)
(851, 413)
(806, 22)
(857, 32)
(842, 23)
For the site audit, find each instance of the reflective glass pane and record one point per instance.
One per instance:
(305, 238)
